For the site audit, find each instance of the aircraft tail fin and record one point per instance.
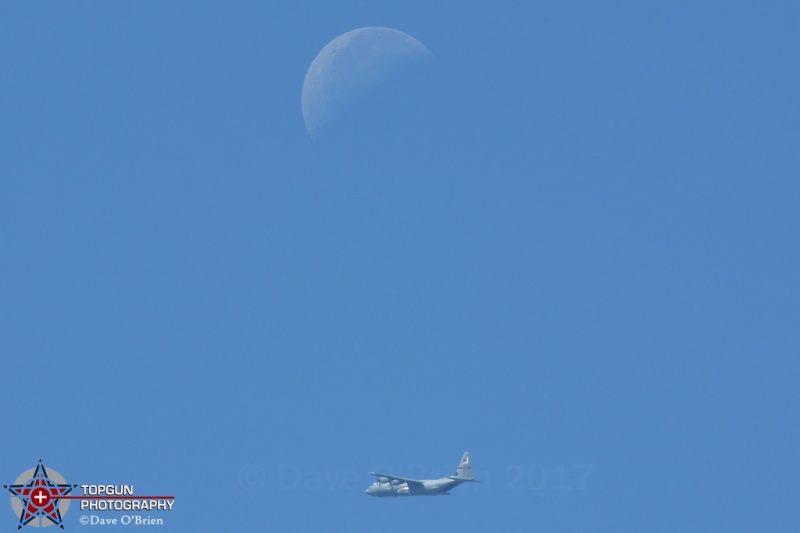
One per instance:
(464, 472)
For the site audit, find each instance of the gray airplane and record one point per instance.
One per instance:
(387, 485)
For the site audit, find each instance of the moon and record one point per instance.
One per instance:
(351, 66)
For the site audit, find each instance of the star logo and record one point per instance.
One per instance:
(36, 497)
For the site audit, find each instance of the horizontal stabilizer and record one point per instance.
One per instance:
(465, 480)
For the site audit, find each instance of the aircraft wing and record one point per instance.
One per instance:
(390, 478)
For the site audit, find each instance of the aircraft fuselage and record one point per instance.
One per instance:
(389, 485)
(428, 487)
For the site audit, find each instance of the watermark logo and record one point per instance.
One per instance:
(39, 497)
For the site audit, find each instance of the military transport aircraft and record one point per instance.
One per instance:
(387, 485)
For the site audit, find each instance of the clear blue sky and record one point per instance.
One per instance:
(571, 247)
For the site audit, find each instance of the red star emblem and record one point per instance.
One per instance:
(39, 497)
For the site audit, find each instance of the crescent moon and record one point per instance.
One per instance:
(351, 66)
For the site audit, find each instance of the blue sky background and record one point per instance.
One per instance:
(570, 247)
